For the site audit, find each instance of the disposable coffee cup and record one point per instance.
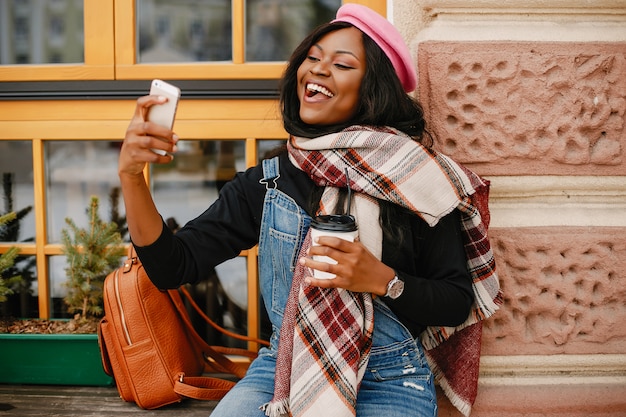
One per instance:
(342, 226)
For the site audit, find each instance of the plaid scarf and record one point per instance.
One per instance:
(323, 350)
(383, 164)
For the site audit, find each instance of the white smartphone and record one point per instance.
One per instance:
(164, 114)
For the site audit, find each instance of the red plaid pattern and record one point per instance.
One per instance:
(323, 350)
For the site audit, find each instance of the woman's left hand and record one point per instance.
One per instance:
(357, 269)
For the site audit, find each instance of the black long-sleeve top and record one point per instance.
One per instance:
(431, 260)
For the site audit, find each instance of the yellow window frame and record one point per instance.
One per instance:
(127, 67)
(110, 51)
(99, 52)
(44, 121)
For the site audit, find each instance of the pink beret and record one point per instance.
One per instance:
(386, 37)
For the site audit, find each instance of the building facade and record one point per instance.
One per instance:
(531, 95)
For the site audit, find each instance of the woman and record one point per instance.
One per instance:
(344, 103)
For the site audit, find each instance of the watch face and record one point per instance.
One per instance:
(395, 289)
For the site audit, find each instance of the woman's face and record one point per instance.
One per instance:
(330, 77)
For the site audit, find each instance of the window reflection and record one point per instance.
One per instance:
(201, 30)
(183, 190)
(16, 173)
(198, 172)
(184, 30)
(223, 295)
(275, 27)
(23, 301)
(58, 288)
(41, 32)
(17, 193)
(75, 171)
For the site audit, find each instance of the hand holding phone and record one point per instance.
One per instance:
(165, 113)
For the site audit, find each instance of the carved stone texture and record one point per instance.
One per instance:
(520, 108)
(564, 291)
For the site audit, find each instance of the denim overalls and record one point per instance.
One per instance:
(398, 381)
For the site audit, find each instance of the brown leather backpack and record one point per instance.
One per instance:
(150, 347)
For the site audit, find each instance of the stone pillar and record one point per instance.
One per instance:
(532, 95)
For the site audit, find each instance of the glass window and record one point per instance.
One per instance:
(184, 189)
(58, 286)
(41, 32)
(23, 301)
(222, 295)
(188, 185)
(75, 171)
(201, 30)
(16, 169)
(184, 30)
(275, 27)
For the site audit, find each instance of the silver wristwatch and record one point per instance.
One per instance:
(395, 288)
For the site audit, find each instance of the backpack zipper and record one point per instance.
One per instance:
(121, 308)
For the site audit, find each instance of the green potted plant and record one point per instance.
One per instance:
(92, 253)
(7, 260)
(19, 301)
(72, 354)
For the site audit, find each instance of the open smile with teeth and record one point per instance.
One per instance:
(313, 89)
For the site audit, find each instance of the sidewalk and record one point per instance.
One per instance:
(62, 401)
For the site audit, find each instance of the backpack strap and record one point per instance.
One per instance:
(202, 387)
(214, 324)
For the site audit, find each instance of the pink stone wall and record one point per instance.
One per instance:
(540, 108)
(564, 291)
(527, 108)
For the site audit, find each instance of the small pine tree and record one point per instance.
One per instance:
(7, 260)
(23, 266)
(92, 253)
(11, 232)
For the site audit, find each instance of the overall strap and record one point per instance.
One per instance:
(271, 173)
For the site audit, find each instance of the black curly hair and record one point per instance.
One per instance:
(383, 101)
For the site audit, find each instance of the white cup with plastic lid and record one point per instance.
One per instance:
(342, 226)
